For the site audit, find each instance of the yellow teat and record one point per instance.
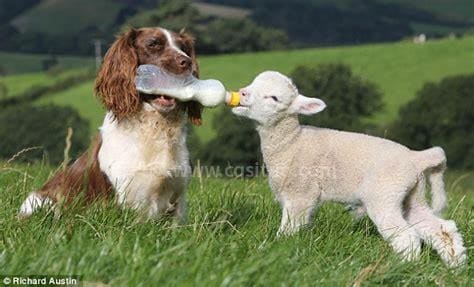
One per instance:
(234, 99)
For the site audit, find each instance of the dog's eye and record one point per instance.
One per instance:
(153, 43)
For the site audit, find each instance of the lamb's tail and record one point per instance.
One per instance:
(32, 203)
(433, 162)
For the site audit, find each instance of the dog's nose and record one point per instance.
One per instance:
(183, 61)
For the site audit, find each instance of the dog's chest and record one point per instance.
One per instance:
(142, 155)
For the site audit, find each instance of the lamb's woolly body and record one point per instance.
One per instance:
(147, 161)
(338, 161)
(308, 165)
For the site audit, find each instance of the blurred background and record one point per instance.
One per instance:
(399, 69)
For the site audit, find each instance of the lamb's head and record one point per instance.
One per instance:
(271, 97)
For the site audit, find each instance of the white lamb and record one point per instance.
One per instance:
(308, 165)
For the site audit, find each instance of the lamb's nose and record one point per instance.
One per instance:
(183, 61)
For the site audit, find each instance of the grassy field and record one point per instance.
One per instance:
(228, 240)
(399, 69)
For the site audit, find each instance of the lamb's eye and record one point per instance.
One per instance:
(274, 98)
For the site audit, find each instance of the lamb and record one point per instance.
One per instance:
(308, 165)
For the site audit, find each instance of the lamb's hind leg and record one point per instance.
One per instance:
(385, 209)
(441, 234)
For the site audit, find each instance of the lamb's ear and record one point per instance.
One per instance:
(306, 106)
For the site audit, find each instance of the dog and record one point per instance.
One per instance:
(140, 153)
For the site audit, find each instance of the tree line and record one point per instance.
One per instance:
(272, 24)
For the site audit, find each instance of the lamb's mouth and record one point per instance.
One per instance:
(240, 108)
(160, 100)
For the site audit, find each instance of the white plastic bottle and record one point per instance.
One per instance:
(151, 79)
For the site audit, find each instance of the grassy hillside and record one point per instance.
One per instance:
(399, 70)
(228, 240)
(19, 83)
(51, 16)
(81, 98)
(12, 63)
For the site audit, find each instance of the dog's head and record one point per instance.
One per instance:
(272, 96)
(115, 81)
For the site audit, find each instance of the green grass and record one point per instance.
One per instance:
(16, 63)
(52, 16)
(228, 240)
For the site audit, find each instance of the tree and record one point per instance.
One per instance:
(172, 14)
(222, 37)
(3, 91)
(442, 114)
(349, 98)
(49, 63)
(44, 127)
(2, 71)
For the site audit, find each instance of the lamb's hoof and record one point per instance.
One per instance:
(452, 245)
(285, 232)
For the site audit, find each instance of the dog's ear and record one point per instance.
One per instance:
(193, 109)
(115, 85)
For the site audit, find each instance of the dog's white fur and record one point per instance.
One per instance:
(33, 202)
(308, 165)
(147, 162)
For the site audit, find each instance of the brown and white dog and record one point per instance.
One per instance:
(140, 153)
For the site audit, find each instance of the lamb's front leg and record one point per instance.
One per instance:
(296, 214)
